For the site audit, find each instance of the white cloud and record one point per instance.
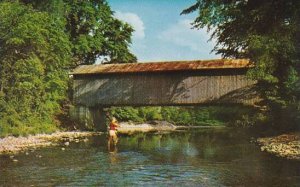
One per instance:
(182, 34)
(135, 21)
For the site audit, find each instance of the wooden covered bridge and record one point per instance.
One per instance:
(162, 83)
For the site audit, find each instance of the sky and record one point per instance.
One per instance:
(161, 33)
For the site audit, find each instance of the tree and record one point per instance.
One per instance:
(265, 31)
(93, 30)
(40, 41)
(34, 60)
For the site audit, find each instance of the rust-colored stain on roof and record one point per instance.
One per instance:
(162, 66)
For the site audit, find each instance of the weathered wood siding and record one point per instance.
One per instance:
(169, 88)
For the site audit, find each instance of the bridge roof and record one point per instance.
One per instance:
(162, 66)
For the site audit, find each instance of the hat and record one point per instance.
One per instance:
(113, 119)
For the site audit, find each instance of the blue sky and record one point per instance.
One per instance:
(161, 33)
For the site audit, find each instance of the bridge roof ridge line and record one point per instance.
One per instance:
(164, 66)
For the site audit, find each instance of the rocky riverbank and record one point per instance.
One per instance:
(11, 145)
(128, 127)
(286, 145)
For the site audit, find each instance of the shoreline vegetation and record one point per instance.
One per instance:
(184, 115)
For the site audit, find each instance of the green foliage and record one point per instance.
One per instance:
(150, 113)
(93, 30)
(126, 113)
(39, 42)
(34, 58)
(266, 32)
(213, 115)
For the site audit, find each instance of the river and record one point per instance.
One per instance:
(205, 157)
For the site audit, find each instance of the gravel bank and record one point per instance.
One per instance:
(286, 145)
(127, 127)
(10, 144)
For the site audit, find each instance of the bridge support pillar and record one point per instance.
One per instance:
(90, 118)
(99, 118)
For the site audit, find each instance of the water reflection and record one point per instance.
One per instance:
(112, 146)
(207, 157)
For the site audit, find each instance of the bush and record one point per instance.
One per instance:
(126, 114)
(211, 115)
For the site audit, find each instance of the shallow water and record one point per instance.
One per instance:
(207, 157)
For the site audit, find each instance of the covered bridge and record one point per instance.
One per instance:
(163, 83)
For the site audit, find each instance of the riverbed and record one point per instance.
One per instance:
(202, 157)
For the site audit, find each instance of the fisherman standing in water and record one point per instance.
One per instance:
(112, 133)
